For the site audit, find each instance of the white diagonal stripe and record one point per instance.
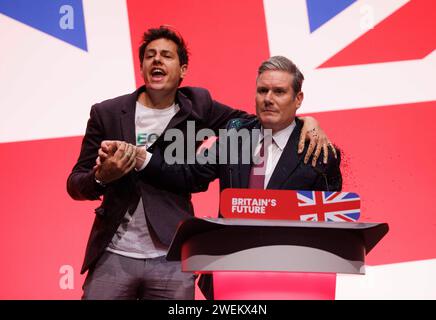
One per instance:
(406, 280)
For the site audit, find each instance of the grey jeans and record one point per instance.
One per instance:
(122, 278)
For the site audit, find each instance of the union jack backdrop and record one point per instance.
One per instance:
(370, 69)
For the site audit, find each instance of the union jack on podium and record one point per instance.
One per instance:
(329, 206)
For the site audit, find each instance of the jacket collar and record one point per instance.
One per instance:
(288, 161)
(128, 116)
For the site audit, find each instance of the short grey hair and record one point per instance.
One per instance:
(281, 63)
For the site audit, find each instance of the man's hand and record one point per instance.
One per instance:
(318, 140)
(108, 148)
(115, 160)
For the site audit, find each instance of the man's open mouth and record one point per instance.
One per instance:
(157, 74)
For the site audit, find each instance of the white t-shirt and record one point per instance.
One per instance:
(133, 238)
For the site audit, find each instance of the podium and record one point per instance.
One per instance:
(209, 245)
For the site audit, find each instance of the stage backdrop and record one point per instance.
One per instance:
(370, 69)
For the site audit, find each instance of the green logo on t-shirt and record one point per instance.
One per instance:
(143, 139)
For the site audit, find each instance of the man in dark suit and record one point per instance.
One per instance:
(133, 227)
(270, 141)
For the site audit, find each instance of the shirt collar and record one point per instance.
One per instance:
(281, 137)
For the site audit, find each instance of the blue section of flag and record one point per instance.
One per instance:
(307, 194)
(328, 193)
(351, 195)
(354, 216)
(321, 11)
(62, 19)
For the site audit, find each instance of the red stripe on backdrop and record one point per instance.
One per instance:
(42, 228)
(388, 159)
(391, 39)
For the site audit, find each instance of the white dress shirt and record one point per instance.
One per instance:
(273, 151)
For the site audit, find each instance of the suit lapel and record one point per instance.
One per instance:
(185, 106)
(128, 117)
(288, 161)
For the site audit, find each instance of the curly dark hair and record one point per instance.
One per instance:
(166, 33)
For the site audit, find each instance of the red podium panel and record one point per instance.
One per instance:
(274, 286)
(304, 205)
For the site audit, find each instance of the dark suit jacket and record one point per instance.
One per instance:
(290, 172)
(115, 120)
